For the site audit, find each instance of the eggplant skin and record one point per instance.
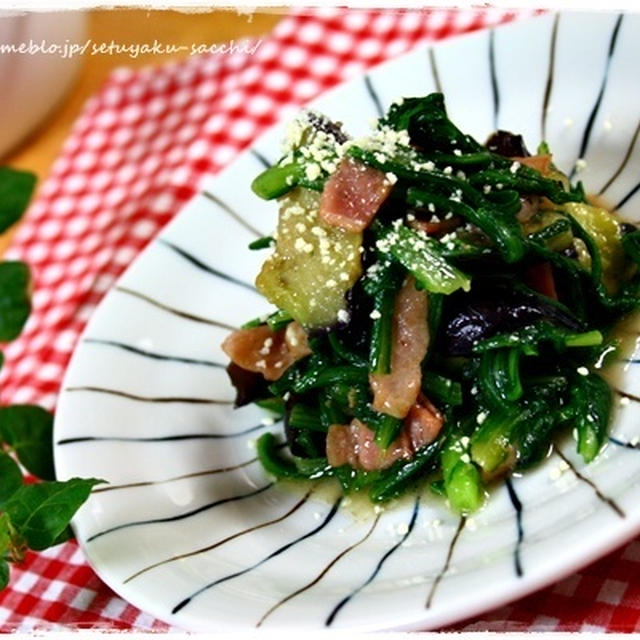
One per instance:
(320, 122)
(249, 386)
(507, 144)
(486, 311)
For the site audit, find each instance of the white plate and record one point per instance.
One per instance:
(192, 531)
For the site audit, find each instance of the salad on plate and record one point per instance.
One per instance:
(445, 308)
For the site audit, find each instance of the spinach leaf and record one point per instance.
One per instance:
(591, 399)
(428, 124)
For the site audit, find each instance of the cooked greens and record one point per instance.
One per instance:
(455, 320)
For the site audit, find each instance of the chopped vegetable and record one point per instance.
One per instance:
(422, 257)
(606, 232)
(313, 265)
(451, 302)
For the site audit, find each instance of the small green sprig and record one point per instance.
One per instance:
(33, 514)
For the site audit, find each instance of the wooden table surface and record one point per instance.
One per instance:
(131, 26)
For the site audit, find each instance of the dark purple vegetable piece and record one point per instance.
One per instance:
(488, 310)
(507, 144)
(249, 386)
(356, 332)
(320, 122)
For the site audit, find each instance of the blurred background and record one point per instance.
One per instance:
(43, 93)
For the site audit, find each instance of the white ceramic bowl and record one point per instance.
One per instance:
(34, 81)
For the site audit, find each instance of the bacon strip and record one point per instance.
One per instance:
(263, 350)
(423, 422)
(541, 163)
(352, 195)
(353, 444)
(539, 276)
(394, 393)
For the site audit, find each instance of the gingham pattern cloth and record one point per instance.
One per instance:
(137, 153)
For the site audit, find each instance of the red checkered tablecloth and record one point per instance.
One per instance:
(137, 153)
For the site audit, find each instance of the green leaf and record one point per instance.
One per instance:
(4, 574)
(28, 430)
(429, 126)
(423, 258)
(276, 465)
(12, 548)
(15, 303)
(591, 399)
(499, 376)
(395, 479)
(67, 534)
(10, 478)
(16, 188)
(41, 512)
(462, 482)
(491, 443)
(277, 180)
(5, 535)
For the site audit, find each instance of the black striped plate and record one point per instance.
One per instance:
(191, 530)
